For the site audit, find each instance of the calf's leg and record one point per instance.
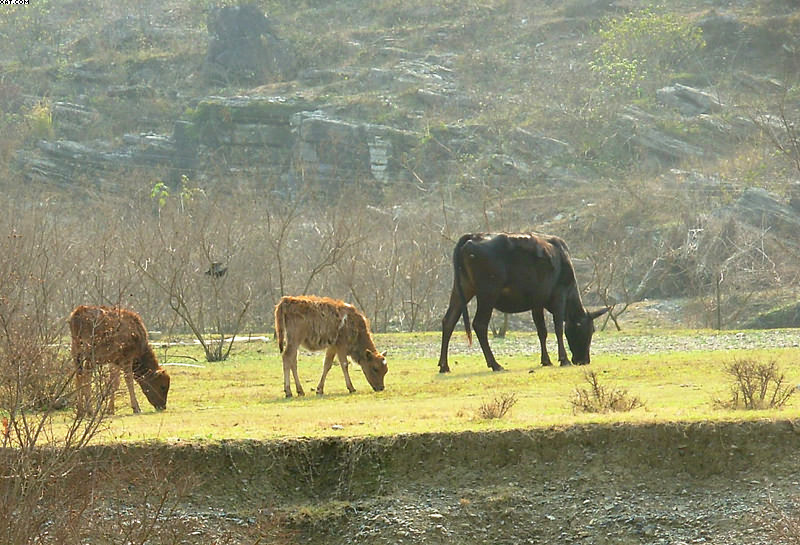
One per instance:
(345, 370)
(83, 389)
(326, 366)
(290, 366)
(129, 382)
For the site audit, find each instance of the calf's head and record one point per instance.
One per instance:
(374, 366)
(579, 335)
(155, 386)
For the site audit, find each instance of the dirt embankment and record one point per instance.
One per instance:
(674, 483)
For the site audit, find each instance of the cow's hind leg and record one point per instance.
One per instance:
(326, 366)
(481, 326)
(346, 371)
(541, 330)
(448, 325)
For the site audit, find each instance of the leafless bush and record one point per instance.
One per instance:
(177, 252)
(756, 385)
(601, 399)
(498, 406)
(38, 458)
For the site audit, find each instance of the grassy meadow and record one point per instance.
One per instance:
(677, 375)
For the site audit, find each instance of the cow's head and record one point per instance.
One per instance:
(375, 368)
(155, 386)
(579, 335)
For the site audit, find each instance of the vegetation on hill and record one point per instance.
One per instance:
(375, 135)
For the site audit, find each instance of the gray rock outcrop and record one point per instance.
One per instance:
(688, 100)
(243, 47)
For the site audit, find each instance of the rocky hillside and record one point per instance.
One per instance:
(671, 160)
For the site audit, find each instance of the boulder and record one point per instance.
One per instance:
(762, 209)
(688, 100)
(243, 47)
(539, 146)
(638, 127)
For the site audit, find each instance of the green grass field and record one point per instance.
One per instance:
(677, 375)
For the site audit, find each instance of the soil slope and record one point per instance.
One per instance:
(676, 483)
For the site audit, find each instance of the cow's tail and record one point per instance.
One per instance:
(280, 325)
(459, 289)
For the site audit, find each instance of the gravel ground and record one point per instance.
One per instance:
(578, 509)
(726, 484)
(612, 343)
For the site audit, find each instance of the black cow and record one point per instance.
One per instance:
(516, 273)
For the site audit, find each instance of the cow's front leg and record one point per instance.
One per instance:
(326, 366)
(129, 382)
(558, 326)
(481, 326)
(346, 371)
(541, 331)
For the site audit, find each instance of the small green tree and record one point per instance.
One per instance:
(641, 46)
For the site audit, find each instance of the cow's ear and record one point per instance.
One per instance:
(598, 313)
(383, 354)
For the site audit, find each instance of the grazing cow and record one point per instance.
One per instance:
(517, 273)
(320, 323)
(117, 337)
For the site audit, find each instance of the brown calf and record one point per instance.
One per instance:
(320, 323)
(117, 337)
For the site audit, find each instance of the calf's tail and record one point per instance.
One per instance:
(280, 325)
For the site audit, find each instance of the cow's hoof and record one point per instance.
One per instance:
(498, 368)
(547, 363)
(320, 393)
(444, 369)
(566, 363)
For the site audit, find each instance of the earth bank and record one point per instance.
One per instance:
(661, 483)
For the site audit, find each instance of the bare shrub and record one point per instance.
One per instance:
(498, 406)
(601, 399)
(756, 385)
(183, 254)
(38, 460)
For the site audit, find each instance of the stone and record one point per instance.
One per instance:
(243, 47)
(688, 100)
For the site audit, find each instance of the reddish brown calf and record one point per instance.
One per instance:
(118, 338)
